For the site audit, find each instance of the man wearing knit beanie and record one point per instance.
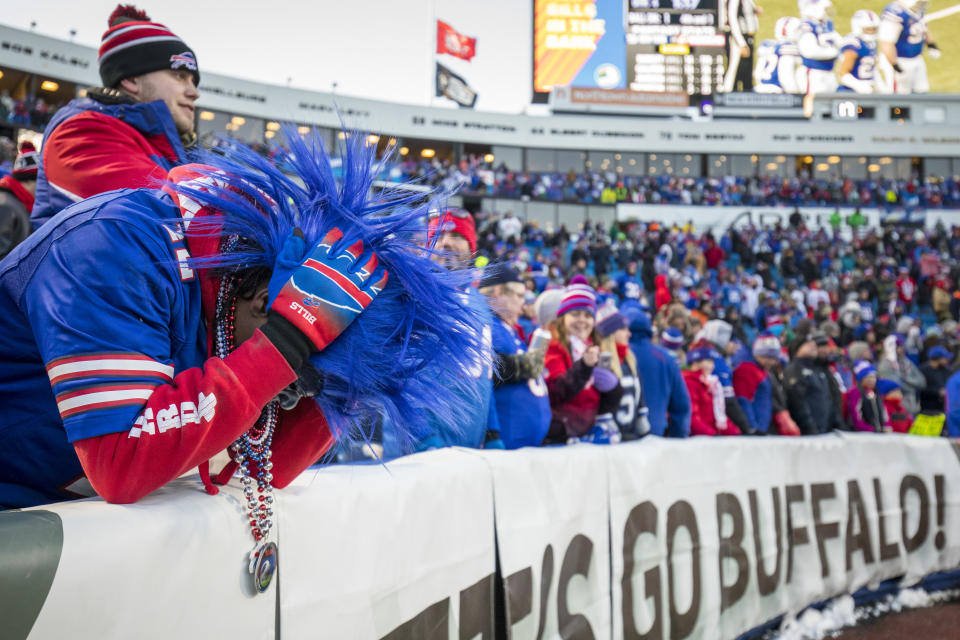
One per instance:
(16, 199)
(130, 132)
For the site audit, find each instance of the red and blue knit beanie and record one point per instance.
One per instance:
(578, 295)
(133, 45)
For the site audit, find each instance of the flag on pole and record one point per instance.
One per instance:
(449, 40)
(450, 85)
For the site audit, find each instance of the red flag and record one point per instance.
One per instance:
(450, 41)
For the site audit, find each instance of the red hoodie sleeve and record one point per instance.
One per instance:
(187, 422)
(92, 153)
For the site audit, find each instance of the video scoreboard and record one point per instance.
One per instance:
(652, 46)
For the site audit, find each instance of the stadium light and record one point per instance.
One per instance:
(373, 139)
(1, 73)
(49, 85)
(206, 115)
(238, 120)
(823, 166)
(489, 158)
(268, 134)
(404, 151)
(428, 153)
(873, 168)
(886, 160)
(392, 141)
(834, 159)
(303, 130)
(273, 126)
(781, 158)
(772, 166)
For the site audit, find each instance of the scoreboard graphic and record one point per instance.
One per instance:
(654, 46)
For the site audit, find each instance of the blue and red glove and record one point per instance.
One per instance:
(316, 292)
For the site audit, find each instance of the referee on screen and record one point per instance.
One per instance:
(742, 23)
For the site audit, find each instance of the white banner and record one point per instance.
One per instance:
(173, 565)
(698, 538)
(553, 527)
(719, 218)
(827, 515)
(404, 550)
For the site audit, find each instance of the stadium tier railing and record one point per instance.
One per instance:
(699, 538)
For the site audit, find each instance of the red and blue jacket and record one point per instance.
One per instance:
(105, 375)
(90, 147)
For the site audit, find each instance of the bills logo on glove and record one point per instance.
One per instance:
(323, 289)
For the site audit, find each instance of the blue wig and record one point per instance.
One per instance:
(418, 325)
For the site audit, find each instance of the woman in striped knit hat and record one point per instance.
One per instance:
(578, 388)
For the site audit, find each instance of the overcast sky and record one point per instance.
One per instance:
(374, 48)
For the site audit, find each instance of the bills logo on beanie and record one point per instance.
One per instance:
(27, 162)
(133, 45)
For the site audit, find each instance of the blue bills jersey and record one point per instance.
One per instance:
(825, 35)
(99, 310)
(863, 68)
(913, 30)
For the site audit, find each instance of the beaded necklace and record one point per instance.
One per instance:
(251, 450)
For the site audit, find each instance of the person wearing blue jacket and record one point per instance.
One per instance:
(668, 402)
(953, 405)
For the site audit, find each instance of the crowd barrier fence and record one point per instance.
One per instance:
(656, 539)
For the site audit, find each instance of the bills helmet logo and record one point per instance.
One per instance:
(185, 60)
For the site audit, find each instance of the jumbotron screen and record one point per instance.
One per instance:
(668, 46)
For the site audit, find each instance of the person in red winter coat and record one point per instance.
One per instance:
(16, 199)
(662, 296)
(707, 403)
(900, 419)
(579, 390)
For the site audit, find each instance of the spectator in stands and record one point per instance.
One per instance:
(952, 404)
(894, 365)
(579, 389)
(936, 374)
(808, 388)
(720, 336)
(668, 403)
(456, 241)
(520, 393)
(614, 331)
(864, 406)
(509, 227)
(132, 130)
(900, 419)
(708, 416)
(16, 199)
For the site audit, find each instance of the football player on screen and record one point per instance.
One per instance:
(902, 34)
(819, 47)
(859, 51)
(778, 60)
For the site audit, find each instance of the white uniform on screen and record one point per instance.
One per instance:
(902, 35)
(819, 46)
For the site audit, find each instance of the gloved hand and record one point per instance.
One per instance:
(933, 51)
(493, 441)
(316, 292)
(604, 380)
(785, 424)
(605, 431)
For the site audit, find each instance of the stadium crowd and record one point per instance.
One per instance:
(475, 176)
(122, 326)
(776, 330)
